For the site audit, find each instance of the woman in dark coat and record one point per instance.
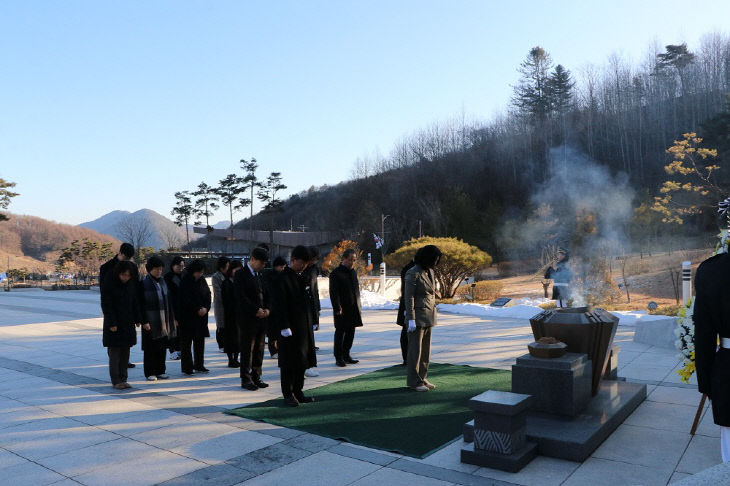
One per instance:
(173, 279)
(158, 319)
(228, 295)
(195, 304)
(292, 313)
(119, 302)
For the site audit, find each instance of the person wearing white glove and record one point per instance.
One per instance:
(419, 299)
(293, 317)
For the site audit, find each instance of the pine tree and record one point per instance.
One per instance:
(183, 211)
(205, 204)
(532, 97)
(268, 194)
(251, 182)
(560, 90)
(5, 196)
(229, 190)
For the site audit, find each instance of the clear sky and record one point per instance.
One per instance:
(110, 105)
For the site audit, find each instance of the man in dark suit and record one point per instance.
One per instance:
(251, 317)
(346, 307)
(126, 253)
(293, 316)
(712, 323)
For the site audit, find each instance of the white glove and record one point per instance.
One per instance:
(286, 332)
(411, 326)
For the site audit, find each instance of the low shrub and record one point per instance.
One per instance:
(484, 290)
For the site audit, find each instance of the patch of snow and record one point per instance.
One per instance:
(519, 311)
(369, 301)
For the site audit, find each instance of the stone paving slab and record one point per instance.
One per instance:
(54, 383)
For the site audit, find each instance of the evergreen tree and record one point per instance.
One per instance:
(268, 194)
(251, 182)
(183, 211)
(205, 204)
(560, 90)
(5, 196)
(229, 190)
(532, 94)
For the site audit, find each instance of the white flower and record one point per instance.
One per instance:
(679, 344)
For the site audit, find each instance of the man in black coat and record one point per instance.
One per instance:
(251, 318)
(401, 318)
(126, 253)
(712, 322)
(346, 307)
(292, 314)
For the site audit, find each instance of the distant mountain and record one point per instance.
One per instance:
(222, 224)
(141, 228)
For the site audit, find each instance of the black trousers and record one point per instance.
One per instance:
(173, 344)
(292, 382)
(343, 342)
(155, 352)
(188, 361)
(404, 343)
(271, 336)
(118, 359)
(253, 345)
(220, 337)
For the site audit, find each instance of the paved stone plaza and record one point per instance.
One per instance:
(63, 424)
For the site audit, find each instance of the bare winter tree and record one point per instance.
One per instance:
(136, 231)
(171, 236)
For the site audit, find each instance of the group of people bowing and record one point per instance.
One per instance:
(253, 303)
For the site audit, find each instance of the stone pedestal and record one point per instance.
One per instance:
(612, 366)
(560, 386)
(498, 431)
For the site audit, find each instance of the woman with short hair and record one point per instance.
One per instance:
(218, 311)
(158, 319)
(195, 305)
(121, 313)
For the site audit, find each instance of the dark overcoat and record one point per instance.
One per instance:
(311, 273)
(173, 282)
(153, 311)
(250, 296)
(120, 304)
(194, 294)
(401, 319)
(712, 321)
(345, 298)
(292, 309)
(228, 294)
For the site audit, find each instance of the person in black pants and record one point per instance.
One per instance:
(401, 318)
(196, 299)
(346, 307)
(252, 315)
(126, 253)
(120, 305)
(231, 340)
(292, 312)
(173, 279)
(268, 277)
(158, 319)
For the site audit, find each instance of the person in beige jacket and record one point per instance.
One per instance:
(420, 313)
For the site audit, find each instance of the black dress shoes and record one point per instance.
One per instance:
(202, 370)
(350, 360)
(249, 386)
(291, 401)
(340, 363)
(303, 399)
(131, 365)
(259, 383)
(234, 364)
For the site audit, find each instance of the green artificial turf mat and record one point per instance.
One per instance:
(377, 410)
